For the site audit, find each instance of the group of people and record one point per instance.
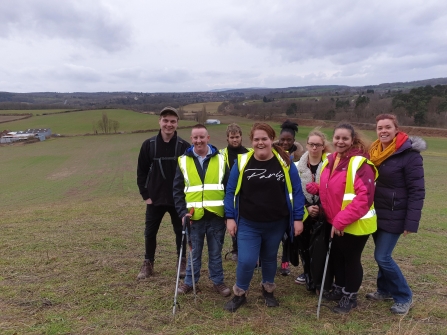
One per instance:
(275, 191)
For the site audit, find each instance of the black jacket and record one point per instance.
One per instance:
(153, 182)
(179, 180)
(400, 189)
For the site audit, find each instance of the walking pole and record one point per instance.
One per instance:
(188, 240)
(178, 269)
(324, 277)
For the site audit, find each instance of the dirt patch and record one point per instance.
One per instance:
(62, 174)
(9, 118)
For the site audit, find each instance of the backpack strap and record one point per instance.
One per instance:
(153, 153)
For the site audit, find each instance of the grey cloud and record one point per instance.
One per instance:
(79, 21)
(342, 32)
(167, 76)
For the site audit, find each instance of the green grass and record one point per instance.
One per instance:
(211, 107)
(71, 245)
(76, 123)
(31, 111)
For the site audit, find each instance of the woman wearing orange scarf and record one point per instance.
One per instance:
(398, 201)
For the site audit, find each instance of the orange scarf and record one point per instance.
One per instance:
(378, 154)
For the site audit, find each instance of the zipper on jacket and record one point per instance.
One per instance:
(392, 201)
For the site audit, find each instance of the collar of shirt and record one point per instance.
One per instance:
(200, 158)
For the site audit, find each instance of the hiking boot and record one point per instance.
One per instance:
(146, 270)
(301, 279)
(182, 267)
(235, 303)
(347, 302)
(267, 293)
(401, 308)
(285, 271)
(378, 296)
(184, 289)
(222, 289)
(335, 295)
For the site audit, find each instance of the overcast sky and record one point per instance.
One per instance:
(194, 45)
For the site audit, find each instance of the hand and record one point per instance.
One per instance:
(406, 232)
(335, 231)
(186, 215)
(298, 227)
(313, 188)
(313, 210)
(148, 201)
(231, 227)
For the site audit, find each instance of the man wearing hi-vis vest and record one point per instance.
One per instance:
(199, 183)
(346, 192)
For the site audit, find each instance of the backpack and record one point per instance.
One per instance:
(153, 153)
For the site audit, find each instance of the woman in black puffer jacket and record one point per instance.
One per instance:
(398, 201)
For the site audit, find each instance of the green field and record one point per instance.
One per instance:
(211, 107)
(32, 111)
(76, 123)
(71, 244)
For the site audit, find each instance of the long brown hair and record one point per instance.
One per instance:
(358, 140)
(271, 134)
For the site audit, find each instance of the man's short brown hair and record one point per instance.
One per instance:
(233, 128)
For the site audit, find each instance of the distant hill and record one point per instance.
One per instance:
(156, 101)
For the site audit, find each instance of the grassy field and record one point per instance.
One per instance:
(32, 111)
(211, 107)
(77, 123)
(71, 245)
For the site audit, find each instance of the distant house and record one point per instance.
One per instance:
(14, 136)
(212, 121)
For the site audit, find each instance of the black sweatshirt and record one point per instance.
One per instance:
(158, 188)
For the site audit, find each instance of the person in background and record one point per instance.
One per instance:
(263, 199)
(399, 198)
(155, 173)
(309, 169)
(346, 192)
(199, 183)
(288, 143)
(234, 148)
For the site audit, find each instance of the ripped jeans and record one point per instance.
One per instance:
(213, 228)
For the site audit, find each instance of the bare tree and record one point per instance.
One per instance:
(181, 113)
(202, 115)
(106, 125)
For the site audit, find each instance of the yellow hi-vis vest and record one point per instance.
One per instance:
(209, 194)
(242, 161)
(224, 152)
(368, 223)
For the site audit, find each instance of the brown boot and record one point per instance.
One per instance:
(182, 267)
(146, 270)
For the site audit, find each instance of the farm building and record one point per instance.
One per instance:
(212, 121)
(14, 136)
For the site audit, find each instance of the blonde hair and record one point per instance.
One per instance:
(327, 146)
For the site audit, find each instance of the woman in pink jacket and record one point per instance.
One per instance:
(346, 191)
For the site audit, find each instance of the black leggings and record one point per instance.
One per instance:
(346, 262)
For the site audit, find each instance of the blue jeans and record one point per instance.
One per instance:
(258, 239)
(390, 279)
(213, 228)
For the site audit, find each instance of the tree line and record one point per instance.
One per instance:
(422, 106)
